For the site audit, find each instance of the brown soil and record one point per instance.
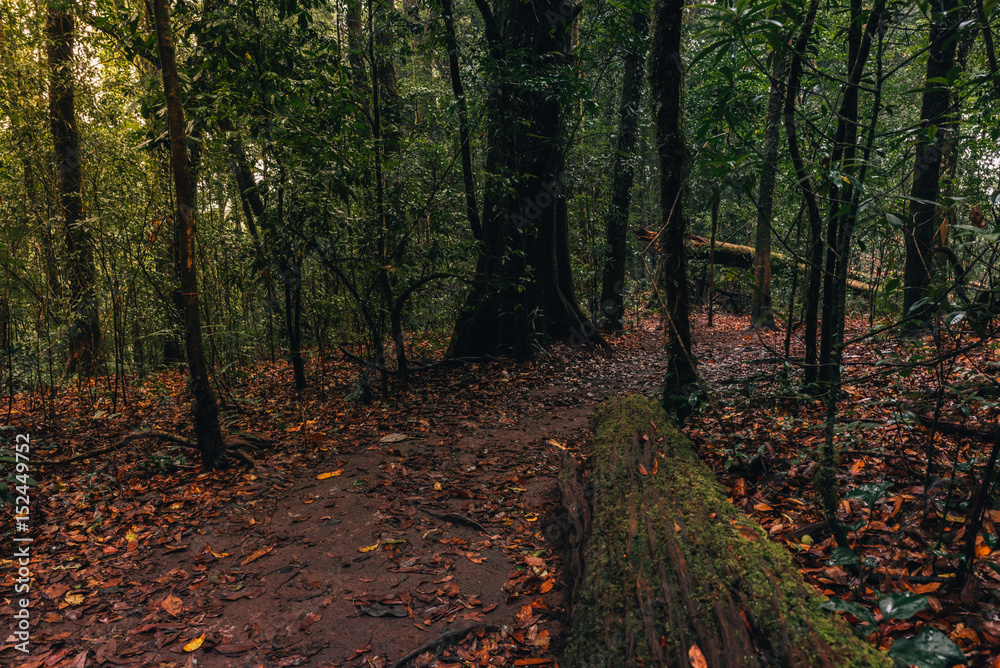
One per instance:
(444, 535)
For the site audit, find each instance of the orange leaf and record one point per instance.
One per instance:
(257, 554)
(329, 474)
(172, 605)
(696, 658)
(195, 644)
(642, 470)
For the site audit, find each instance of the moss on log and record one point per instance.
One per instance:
(670, 564)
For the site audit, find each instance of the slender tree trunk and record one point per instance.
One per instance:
(464, 127)
(623, 171)
(85, 329)
(356, 52)
(761, 314)
(716, 203)
(815, 254)
(666, 86)
(921, 230)
(206, 414)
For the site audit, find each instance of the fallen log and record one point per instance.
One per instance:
(674, 575)
(742, 257)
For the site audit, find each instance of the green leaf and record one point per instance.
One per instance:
(842, 556)
(928, 649)
(901, 605)
(862, 613)
(869, 493)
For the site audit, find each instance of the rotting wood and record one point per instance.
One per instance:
(673, 570)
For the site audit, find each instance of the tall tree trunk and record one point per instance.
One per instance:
(85, 330)
(623, 171)
(464, 127)
(517, 301)
(385, 68)
(206, 413)
(761, 314)
(666, 85)
(812, 205)
(844, 200)
(920, 232)
(356, 51)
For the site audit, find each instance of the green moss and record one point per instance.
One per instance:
(703, 563)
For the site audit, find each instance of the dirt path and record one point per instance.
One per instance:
(430, 524)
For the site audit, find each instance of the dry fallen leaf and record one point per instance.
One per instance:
(257, 554)
(368, 548)
(195, 644)
(329, 474)
(696, 658)
(172, 605)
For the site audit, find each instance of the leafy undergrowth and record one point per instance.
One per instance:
(362, 535)
(908, 488)
(420, 527)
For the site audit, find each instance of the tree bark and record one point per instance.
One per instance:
(666, 83)
(761, 314)
(920, 233)
(815, 259)
(464, 126)
(673, 570)
(517, 301)
(85, 329)
(206, 413)
(623, 171)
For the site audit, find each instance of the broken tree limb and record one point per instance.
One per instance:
(674, 573)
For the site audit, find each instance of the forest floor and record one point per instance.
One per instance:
(421, 527)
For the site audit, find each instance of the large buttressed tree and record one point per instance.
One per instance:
(85, 329)
(523, 291)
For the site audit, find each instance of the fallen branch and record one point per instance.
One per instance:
(139, 435)
(455, 518)
(446, 637)
(984, 433)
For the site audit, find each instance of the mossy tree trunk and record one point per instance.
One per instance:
(673, 570)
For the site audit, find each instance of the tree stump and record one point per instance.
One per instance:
(674, 575)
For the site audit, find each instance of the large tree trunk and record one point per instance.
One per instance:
(761, 314)
(922, 227)
(516, 302)
(85, 330)
(675, 574)
(623, 171)
(666, 83)
(206, 413)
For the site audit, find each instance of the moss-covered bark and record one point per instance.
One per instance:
(670, 564)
